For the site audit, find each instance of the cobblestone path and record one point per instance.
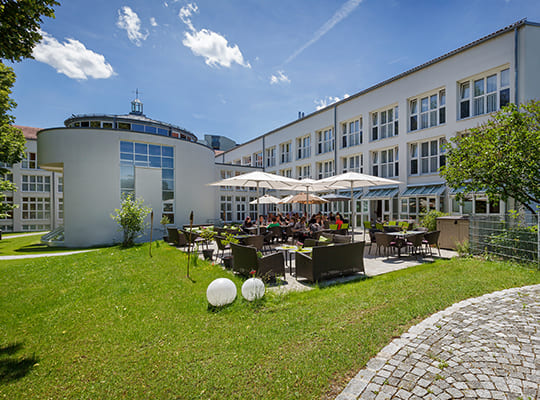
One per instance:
(482, 348)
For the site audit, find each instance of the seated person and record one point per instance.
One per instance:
(247, 223)
(316, 226)
(274, 223)
(339, 222)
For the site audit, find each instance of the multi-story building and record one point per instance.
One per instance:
(398, 128)
(39, 196)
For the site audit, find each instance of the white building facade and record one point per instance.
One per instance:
(398, 128)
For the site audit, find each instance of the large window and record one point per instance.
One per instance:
(36, 208)
(325, 141)
(351, 133)
(427, 111)
(303, 147)
(33, 183)
(427, 157)
(226, 208)
(258, 159)
(385, 163)
(353, 163)
(30, 161)
(240, 208)
(285, 152)
(271, 156)
(384, 123)
(303, 171)
(484, 94)
(325, 169)
(134, 154)
(246, 160)
(286, 172)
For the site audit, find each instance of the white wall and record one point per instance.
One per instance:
(90, 161)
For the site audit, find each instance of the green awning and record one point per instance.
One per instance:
(424, 190)
(381, 194)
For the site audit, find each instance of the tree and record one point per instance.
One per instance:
(500, 157)
(19, 32)
(20, 22)
(131, 217)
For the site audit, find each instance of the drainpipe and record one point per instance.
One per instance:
(516, 64)
(263, 154)
(53, 201)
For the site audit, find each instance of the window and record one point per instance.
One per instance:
(271, 156)
(428, 111)
(285, 153)
(303, 147)
(8, 200)
(303, 171)
(60, 208)
(286, 172)
(427, 157)
(485, 94)
(146, 155)
(123, 125)
(384, 124)
(36, 208)
(351, 133)
(95, 124)
(61, 184)
(353, 163)
(325, 141)
(246, 160)
(36, 183)
(107, 125)
(325, 169)
(385, 163)
(240, 208)
(30, 161)
(224, 175)
(258, 159)
(226, 208)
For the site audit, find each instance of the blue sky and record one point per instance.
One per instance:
(237, 68)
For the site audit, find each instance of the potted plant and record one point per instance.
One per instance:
(165, 221)
(208, 235)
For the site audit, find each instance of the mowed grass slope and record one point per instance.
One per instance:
(116, 323)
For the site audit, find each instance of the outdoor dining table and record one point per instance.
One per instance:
(401, 239)
(289, 250)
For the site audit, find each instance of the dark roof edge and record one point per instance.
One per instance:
(401, 75)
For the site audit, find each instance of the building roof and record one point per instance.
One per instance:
(29, 132)
(495, 34)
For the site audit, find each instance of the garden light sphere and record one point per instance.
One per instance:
(253, 289)
(221, 292)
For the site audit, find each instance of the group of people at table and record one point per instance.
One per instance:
(300, 224)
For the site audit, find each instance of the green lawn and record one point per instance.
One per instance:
(117, 324)
(27, 245)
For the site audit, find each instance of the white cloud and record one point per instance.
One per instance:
(322, 103)
(208, 44)
(130, 21)
(153, 21)
(340, 14)
(280, 77)
(72, 58)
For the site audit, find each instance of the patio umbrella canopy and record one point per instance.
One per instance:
(356, 179)
(313, 185)
(306, 198)
(258, 179)
(266, 199)
(335, 197)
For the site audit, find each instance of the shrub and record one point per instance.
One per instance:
(430, 219)
(131, 217)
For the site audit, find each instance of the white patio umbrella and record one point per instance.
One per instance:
(313, 185)
(356, 179)
(266, 199)
(258, 179)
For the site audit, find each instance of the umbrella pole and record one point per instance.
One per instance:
(257, 216)
(353, 209)
(307, 202)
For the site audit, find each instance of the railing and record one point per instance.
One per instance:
(512, 236)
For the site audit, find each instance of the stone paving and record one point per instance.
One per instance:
(482, 348)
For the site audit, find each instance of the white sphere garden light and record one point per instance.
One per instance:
(253, 289)
(221, 292)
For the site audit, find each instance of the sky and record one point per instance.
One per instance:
(238, 68)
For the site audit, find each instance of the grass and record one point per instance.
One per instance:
(117, 324)
(27, 245)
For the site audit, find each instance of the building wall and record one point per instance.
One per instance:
(39, 196)
(90, 159)
(472, 64)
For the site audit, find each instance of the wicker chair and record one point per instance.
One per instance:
(415, 243)
(255, 241)
(175, 238)
(386, 241)
(432, 239)
(245, 260)
(221, 245)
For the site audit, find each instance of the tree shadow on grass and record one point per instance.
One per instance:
(12, 367)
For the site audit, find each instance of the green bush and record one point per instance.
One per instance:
(520, 242)
(430, 220)
(131, 217)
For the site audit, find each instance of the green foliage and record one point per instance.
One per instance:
(463, 249)
(165, 220)
(131, 217)
(500, 157)
(430, 219)
(519, 243)
(20, 22)
(5, 208)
